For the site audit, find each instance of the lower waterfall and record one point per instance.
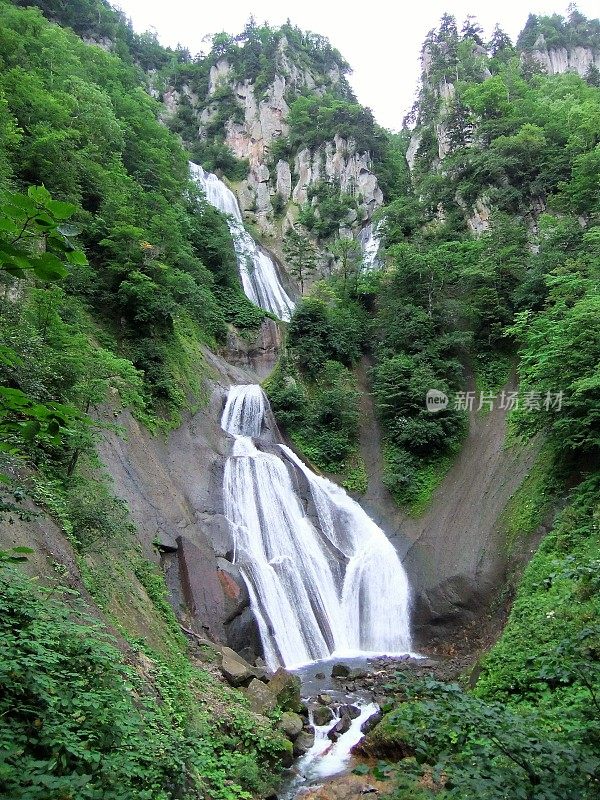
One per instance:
(323, 579)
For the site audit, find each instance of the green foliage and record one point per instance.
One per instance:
(77, 720)
(560, 354)
(320, 415)
(469, 748)
(574, 31)
(300, 254)
(326, 210)
(91, 134)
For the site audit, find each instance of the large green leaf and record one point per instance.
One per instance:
(49, 267)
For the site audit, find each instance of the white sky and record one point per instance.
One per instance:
(381, 39)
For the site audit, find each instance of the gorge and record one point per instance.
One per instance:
(241, 557)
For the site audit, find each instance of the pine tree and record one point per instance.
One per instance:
(471, 29)
(301, 256)
(592, 76)
(499, 41)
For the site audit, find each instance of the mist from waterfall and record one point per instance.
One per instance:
(322, 576)
(258, 271)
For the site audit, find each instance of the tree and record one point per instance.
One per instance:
(301, 256)
(592, 76)
(471, 29)
(348, 254)
(499, 41)
(33, 240)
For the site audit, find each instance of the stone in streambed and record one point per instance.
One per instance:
(339, 728)
(261, 697)
(290, 724)
(322, 715)
(303, 742)
(371, 722)
(340, 671)
(352, 711)
(325, 699)
(286, 688)
(320, 676)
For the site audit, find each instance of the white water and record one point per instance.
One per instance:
(258, 271)
(331, 584)
(370, 243)
(325, 758)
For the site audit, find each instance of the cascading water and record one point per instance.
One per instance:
(258, 271)
(370, 242)
(330, 584)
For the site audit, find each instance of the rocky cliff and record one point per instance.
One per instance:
(251, 118)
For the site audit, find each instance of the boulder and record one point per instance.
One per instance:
(325, 699)
(242, 634)
(235, 671)
(352, 711)
(371, 722)
(320, 676)
(303, 742)
(261, 697)
(235, 591)
(322, 715)
(290, 724)
(340, 671)
(286, 688)
(339, 728)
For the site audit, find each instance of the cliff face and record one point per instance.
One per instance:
(250, 120)
(557, 60)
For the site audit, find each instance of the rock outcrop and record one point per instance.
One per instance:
(173, 489)
(557, 60)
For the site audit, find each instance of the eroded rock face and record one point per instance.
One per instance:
(173, 488)
(556, 60)
(259, 353)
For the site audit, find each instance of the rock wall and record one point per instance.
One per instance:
(557, 60)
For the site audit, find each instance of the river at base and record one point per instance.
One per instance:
(326, 759)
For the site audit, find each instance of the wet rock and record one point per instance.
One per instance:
(350, 687)
(340, 671)
(287, 757)
(290, 724)
(371, 721)
(325, 699)
(352, 711)
(303, 742)
(322, 715)
(320, 676)
(235, 591)
(357, 674)
(261, 697)
(243, 634)
(339, 728)
(286, 688)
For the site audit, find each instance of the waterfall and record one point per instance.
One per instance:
(258, 271)
(320, 585)
(370, 242)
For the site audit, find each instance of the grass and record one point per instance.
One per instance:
(529, 505)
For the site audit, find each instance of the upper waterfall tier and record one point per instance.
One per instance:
(322, 577)
(258, 271)
(370, 243)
